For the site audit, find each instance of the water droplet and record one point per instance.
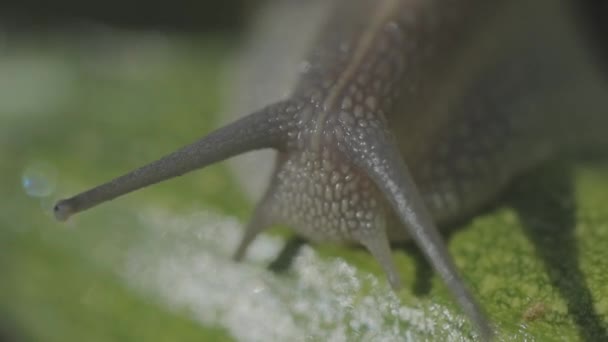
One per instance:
(39, 179)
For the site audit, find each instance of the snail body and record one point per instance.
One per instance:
(409, 114)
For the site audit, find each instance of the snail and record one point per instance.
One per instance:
(407, 115)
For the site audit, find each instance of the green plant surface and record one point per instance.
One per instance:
(155, 265)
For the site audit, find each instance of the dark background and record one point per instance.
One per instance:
(179, 15)
(187, 15)
(203, 15)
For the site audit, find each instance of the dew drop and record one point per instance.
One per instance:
(39, 179)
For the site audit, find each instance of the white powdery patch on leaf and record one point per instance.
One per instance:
(186, 262)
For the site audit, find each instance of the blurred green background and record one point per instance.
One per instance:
(86, 95)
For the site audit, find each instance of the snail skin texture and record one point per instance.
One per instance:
(405, 115)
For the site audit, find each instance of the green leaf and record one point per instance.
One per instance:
(155, 265)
